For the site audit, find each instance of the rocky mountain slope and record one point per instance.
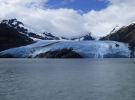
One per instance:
(125, 34)
(11, 35)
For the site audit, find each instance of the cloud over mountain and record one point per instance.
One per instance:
(69, 22)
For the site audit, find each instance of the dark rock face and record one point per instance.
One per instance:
(14, 23)
(64, 53)
(11, 37)
(88, 37)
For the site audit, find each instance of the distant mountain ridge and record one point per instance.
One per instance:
(81, 38)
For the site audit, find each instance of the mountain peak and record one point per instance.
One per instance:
(12, 22)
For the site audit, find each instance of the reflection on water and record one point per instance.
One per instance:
(85, 79)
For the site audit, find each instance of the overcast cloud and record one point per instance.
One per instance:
(69, 22)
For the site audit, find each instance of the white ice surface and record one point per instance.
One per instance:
(87, 49)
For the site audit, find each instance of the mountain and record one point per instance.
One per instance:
(42, 36)
(49, 36)
(81, 38)
(115, 29)
(88, 37)
(12, 34)
(125, 34)
(20, 27)
(63, 53)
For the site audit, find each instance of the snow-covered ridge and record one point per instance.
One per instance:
(87, 49)
(115, 29)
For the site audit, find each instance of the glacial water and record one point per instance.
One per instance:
(85, 79)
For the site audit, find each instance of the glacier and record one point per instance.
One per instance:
(87, 49)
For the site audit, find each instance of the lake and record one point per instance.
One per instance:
(73, 79)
